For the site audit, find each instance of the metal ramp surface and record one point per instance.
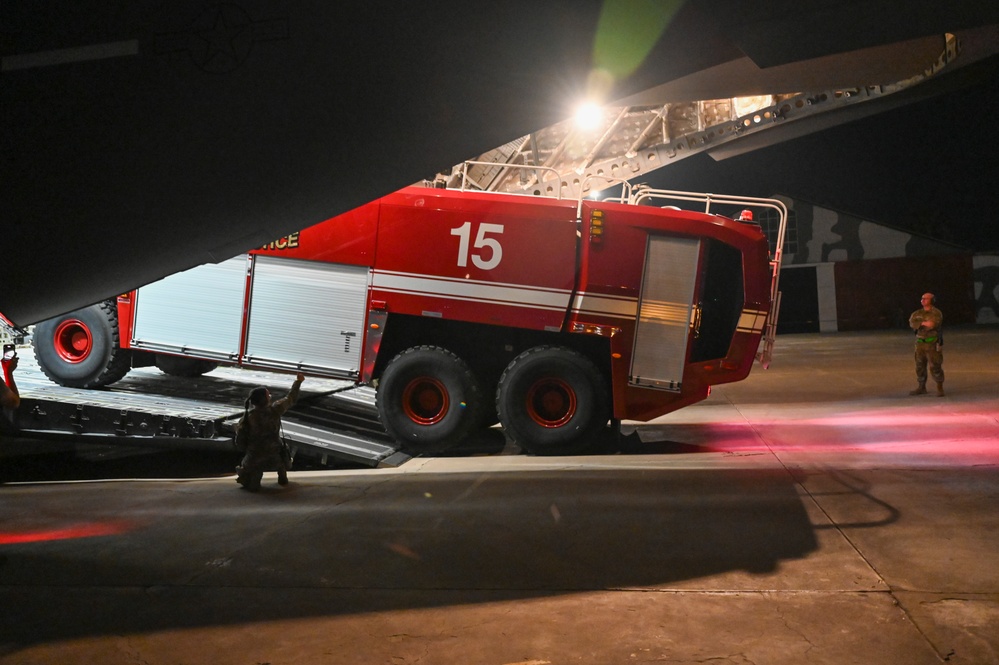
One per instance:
(343, 425)
(333, 420)
(340, 425)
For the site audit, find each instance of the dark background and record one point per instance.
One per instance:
(229, 125)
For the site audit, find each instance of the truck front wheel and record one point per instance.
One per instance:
(428, 399)
(82, 349)
(552, 401)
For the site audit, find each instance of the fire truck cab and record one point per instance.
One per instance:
(550, 316)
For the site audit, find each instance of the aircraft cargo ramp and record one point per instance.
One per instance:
(333, 420)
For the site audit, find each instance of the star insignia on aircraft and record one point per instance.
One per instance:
(221, 38)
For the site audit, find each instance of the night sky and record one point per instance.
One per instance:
(931, 167)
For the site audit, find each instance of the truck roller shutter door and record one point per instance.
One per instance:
(307, 315)
(197, 312)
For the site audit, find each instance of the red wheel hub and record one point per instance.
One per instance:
(551, 402)
(73, 341)
(425, 400)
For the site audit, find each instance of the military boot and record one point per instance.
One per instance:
(920, 390)
(940, 392)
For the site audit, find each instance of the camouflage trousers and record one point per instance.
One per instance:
(932, 355)
(259, 459)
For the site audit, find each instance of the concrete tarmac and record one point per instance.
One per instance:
(815, 513)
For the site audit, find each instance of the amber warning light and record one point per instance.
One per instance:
(597, 226)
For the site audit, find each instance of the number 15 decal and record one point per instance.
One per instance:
(492, 246)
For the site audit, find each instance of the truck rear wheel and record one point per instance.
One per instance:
(552, 401)
(428, 399)
(178, 366)
(82, 349)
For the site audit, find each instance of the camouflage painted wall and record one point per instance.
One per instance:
(986, 275)
(824, 235)
(882, 293)
(819, 235)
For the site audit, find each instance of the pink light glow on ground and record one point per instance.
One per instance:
(889, 431)
(922, 436)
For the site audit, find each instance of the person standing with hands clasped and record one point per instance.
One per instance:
(259, 435)
(927, 324)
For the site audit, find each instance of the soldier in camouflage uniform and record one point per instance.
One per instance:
(259, 434)
(927, 323)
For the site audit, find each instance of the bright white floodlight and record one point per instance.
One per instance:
(588, 116)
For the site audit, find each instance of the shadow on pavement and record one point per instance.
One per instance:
(204, 553)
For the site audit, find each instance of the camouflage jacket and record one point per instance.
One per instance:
(259, 431)
(926, 333)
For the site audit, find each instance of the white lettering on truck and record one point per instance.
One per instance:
(464, 233)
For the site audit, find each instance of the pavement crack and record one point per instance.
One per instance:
(783, 619)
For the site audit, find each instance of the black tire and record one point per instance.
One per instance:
(178, 366)
(487, 414)
(553, 401)
(82, 349)
(428, 399)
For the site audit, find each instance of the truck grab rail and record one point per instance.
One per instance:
(466, 164)
(770, 329)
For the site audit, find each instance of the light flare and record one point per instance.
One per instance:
(84, 530)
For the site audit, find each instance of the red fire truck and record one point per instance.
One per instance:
(553, 317)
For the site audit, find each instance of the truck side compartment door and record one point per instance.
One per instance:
(196, 312)
(306, 315)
